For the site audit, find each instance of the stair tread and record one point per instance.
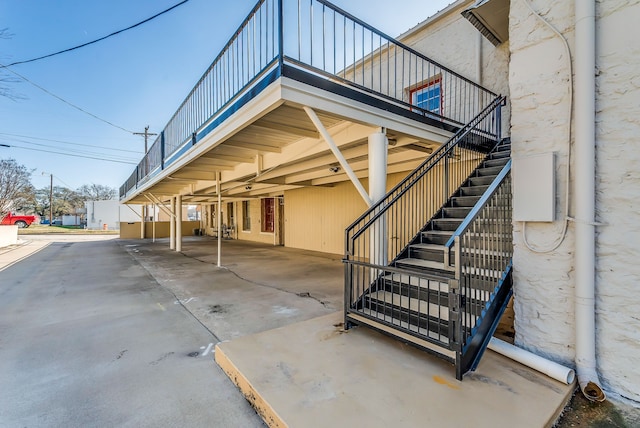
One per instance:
(429, 246)
(438, 283)
(484, 252)
(419, 307)
(415, 305)
(439, 232)
(404, 325)
(484, 272)
(496, 162)
(423, 264)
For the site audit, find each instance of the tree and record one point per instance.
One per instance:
(96, 192)
(65, 201)
(6, 80)
(16, 191)
(40, 201)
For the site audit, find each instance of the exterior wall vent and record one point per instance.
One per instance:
(491, 18)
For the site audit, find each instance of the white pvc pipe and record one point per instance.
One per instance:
(378, 144)
(552, 369)
(179, 223)
(172, 225)
(584, 190)
(336, 151)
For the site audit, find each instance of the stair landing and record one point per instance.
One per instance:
(313, 374)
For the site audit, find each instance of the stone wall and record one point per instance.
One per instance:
(539, 80)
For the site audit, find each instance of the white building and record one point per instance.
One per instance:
(107, 215)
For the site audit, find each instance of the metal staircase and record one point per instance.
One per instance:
(447, 285)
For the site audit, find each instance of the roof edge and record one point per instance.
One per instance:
(434, 18)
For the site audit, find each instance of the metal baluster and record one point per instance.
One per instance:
(324, 65)
(334, 41)
(299, 31)
(344, 46)
(354, 51)
(311, 31)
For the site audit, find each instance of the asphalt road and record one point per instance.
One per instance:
(89, 338)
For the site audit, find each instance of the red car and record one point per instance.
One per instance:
(19, 220)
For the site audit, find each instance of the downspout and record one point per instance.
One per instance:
(584, 190)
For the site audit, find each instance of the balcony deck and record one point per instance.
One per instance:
(245, 116)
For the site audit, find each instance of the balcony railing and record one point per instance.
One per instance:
(483, 248)
(311, 40)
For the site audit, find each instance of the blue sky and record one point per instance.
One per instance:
(133, 79)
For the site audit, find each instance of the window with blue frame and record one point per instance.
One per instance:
(428, 96)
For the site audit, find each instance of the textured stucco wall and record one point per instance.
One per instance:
(618, 187)
(539, 79)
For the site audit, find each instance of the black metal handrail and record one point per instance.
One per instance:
(330, 43)
(252, 48)
(456, 307)
(483, 249)
(338, 44)
(413, 201)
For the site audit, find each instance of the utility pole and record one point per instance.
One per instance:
(146, 134)
(50, 197)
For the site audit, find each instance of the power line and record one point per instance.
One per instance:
(96, 40)
(73, 155)
(68, 142)
(59, 179)
(65, 101)
(122, 158)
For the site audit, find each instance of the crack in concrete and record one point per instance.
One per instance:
(304, 294)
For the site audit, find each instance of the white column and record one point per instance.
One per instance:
(155, 214)
(378, 144)
(207, 222)
(172, 225)
(201, 217)
(142, 236)
(179, 223)
(219, 216)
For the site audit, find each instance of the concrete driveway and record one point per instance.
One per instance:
(259, 287)
(89, 338)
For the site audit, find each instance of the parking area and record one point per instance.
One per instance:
(259, 287)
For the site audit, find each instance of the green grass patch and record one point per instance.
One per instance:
(39, 229)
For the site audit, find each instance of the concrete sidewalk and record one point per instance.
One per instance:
(14, 253)
(314, 374)
(277, 312)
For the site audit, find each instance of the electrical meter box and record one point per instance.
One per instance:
(534, 187)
